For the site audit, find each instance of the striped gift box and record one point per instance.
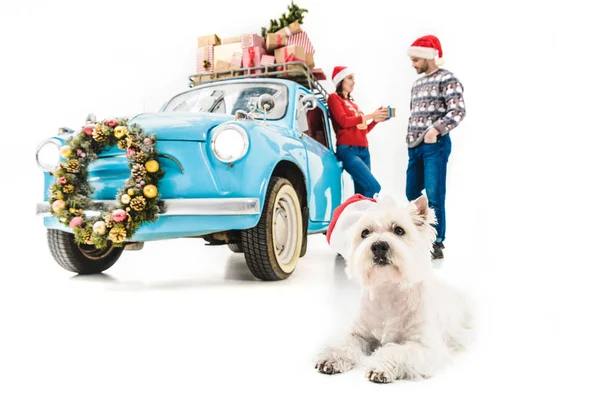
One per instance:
(205, 59)
(301, 39)
(267, 60)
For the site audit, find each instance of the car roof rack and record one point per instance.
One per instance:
(296, 71)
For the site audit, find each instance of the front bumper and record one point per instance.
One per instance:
(233, 206)
(179, 218)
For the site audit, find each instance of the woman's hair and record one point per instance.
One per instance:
(338, 90)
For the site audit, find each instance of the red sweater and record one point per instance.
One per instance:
(346, 119)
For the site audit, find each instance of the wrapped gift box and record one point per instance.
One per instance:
(208, 40)
(289, 54)
(225, 52)
(205, 59)
(267, 60)
(319, 74)
(291, 29)
(301, 39)
(231, 39)
(310, 61)
(252, 40)
(275, 41)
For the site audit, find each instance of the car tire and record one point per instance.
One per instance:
(84, 259)
(235, 247)
(272, 248)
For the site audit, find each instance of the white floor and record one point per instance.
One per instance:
(180, 320)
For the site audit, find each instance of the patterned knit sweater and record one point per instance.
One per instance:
(436, 100)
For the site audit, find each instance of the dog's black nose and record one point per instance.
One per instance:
(380, 248)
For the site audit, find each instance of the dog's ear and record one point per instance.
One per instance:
(422, 214)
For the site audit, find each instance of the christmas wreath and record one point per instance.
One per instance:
(137, 201)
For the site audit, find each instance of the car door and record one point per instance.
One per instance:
(324, 171)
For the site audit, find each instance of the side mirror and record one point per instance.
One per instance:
(309, 102)
(266, 103)
(64, 131)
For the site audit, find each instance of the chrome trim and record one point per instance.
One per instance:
(225, 127)
(160, 155)
(213, 206)
(57, 143)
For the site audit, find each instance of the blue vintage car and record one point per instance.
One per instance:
(249, 163)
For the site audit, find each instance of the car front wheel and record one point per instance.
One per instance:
(82, 259)
(272, 248)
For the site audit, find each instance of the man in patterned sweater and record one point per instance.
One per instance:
(437, 106)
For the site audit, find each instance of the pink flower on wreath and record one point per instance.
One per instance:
(112, 123)
(76, 222)
(119, 215)
(148, 141)
(130, 152)
(62, 180)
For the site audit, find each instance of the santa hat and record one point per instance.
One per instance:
(427, 47)
(339, 73)
(344, 216)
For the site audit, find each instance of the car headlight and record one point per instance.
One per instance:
(229, 143)
(47, 155)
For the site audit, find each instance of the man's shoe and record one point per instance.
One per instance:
(437, 250)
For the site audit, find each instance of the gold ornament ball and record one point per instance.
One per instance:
(125, 199)
(66, 152)
(99, 227)
(120, 131)
(130, 192)
(58, 206)
(151, 166)
(57, 195)
(150, 191)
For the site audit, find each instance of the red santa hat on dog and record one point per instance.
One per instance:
(344, 216)
(427, 47)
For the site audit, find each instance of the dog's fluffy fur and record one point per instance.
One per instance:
(410, 323)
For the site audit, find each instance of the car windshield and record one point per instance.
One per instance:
(230, 97)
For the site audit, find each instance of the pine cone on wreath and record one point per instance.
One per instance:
(138, 171)
(138, 203)
(122, 144)
(71, 166)
(140, 157)
(68, 188)
(100, 133)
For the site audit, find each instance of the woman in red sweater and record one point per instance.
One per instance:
(351, 128)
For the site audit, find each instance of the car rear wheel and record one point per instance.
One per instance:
(272, 248)
(81, 259)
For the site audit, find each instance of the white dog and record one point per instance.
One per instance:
(410, 323)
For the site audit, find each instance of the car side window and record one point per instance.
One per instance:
(312, 123)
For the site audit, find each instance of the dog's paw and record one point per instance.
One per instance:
(328, 367)
(378, 376)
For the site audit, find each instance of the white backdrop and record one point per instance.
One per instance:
(523, 170)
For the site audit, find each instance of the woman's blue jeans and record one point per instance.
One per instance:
(356, 161)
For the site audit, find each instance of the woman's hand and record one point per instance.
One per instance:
(380, 115)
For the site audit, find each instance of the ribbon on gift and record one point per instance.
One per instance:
(251, 54)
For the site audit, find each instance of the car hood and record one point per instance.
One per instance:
(179, 125)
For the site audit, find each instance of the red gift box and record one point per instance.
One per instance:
(301, 39)
(205, 59)
(319, 74)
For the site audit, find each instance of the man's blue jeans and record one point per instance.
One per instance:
(427, 170)
(356, 161)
